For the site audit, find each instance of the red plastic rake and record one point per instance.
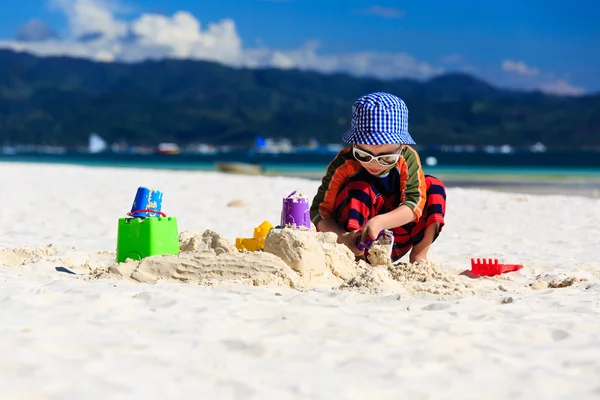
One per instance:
(491, 267)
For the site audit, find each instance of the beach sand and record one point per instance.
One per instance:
(298, 320)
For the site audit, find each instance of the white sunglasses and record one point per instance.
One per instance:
(385, 160)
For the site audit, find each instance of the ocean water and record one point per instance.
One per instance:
(580, 164)
(525, 172)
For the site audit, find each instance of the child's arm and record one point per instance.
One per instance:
(342, 166)
(330, 225)
(321, 209)
(415, 186)
(399, 216)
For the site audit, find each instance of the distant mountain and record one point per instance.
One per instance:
(59, 100)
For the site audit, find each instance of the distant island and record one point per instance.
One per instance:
(60, 101)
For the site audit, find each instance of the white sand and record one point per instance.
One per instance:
(295, 321)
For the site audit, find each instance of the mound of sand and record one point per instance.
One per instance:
(408, 279)
(296, 258)
(385, 276)
(208, 241)
(299, 259)
(316, 256)
(205, 267)
(23, 256)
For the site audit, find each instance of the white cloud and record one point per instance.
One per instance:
(181, 36)
(375, 64)
(58, 47)
(561, 87)
(91, 17)
(96, 31)
(519, 67)
(546, 82)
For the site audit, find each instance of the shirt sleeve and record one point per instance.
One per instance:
(415, 186)
(338, 171)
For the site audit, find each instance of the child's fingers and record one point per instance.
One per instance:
(368, 234)
(363, 235)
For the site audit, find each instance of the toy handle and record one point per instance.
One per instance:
(148, 211)
(363, 246)
(511, 267)
(367, 243)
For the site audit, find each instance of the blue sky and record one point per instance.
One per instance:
(550, 45)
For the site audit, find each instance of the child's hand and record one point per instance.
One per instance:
(349, 239)
(372, 229)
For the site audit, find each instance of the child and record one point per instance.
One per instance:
(377, 183)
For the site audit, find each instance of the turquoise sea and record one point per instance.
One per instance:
(525, 172)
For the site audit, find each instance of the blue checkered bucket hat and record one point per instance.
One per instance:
(379, 118)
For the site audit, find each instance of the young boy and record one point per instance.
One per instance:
(377, 183)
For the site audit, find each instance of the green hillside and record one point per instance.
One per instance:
(58, 100)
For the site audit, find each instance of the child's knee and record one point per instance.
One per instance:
(435, 229)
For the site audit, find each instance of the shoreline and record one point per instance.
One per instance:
(558, 181)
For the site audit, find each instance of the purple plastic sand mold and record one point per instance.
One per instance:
(295, 211)
(368, 243)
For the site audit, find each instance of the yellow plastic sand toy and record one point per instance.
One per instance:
(258, 241)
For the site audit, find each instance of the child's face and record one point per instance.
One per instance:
(374, 167)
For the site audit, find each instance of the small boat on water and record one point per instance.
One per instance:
(168, 148)
(240, 168)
